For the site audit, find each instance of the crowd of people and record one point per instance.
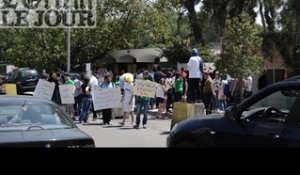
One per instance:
(193, 85)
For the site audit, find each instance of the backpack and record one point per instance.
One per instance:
(226, 90)
(201, 66)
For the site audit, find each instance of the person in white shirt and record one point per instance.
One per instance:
(248, 87)
(195, 76)
(161, 96)
(93, 84)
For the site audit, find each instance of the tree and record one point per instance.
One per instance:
(239, 56)
(194, 22)
(127, 24)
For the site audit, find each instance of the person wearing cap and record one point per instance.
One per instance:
(195, 76)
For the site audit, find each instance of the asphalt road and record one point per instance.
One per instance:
(117, 136)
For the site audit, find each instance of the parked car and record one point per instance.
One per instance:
(26, 79)
(31, 122)
(270, 118)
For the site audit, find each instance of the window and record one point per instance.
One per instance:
(273, 108)
(47, 116)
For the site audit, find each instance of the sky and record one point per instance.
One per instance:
(258, 18)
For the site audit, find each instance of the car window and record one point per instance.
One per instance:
(277, 101)
(47, 116)
(29, 74)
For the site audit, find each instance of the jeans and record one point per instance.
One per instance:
(222, 105)
(84, 112)
(139, 106)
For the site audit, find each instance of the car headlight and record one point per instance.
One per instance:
(174, 127)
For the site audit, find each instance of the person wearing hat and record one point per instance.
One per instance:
(195, 67)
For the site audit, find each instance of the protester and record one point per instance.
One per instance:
(208, 93)
(56, 95)
(178, 88)
(195, 76)
(128, 98)
(94, 83)
(161, 95)
(86, 100)
(106, 113)
(78, 95)
(70, 107)
(142, 106)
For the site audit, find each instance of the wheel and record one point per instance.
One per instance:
(185, 144)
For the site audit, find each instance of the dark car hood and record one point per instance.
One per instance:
(43, 137)
(208, 121)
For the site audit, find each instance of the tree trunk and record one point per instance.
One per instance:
(197, 29)
(262, 15)
(268, 17)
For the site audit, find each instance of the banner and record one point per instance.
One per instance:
(144, 88)
(44, 89)
(10, 89)
(107, 98)
(67, 94)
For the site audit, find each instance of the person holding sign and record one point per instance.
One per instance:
(128, 99)
(56, 95)
(142, 103)
(106, 113)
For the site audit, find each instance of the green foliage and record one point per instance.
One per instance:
(120, 25)
(239, 55)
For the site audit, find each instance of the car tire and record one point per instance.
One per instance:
(185, 144)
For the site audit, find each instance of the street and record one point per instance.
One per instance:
(115, 136)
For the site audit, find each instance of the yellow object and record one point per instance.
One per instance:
(11, 89)
(182, 111)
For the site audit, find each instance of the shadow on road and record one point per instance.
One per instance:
(165, 133)
(127, 128)
(93, 124)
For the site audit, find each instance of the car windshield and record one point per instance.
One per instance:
(277, 100)
(40, 116)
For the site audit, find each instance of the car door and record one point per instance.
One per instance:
(257, 134)
(267, 134)
(291, 135)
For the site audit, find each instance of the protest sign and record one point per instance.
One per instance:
(44, 89)
(67, 94)
(144, 88)
(107, 98)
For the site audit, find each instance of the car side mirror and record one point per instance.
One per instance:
(231, 112)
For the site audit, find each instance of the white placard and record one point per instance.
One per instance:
(88, 69)
(44, 89)
(67, 94)
(107, 98)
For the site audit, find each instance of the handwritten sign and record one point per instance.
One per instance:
(44, 89)
(107, 98)
(11, 89)
(144, 88)
(67, 94)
